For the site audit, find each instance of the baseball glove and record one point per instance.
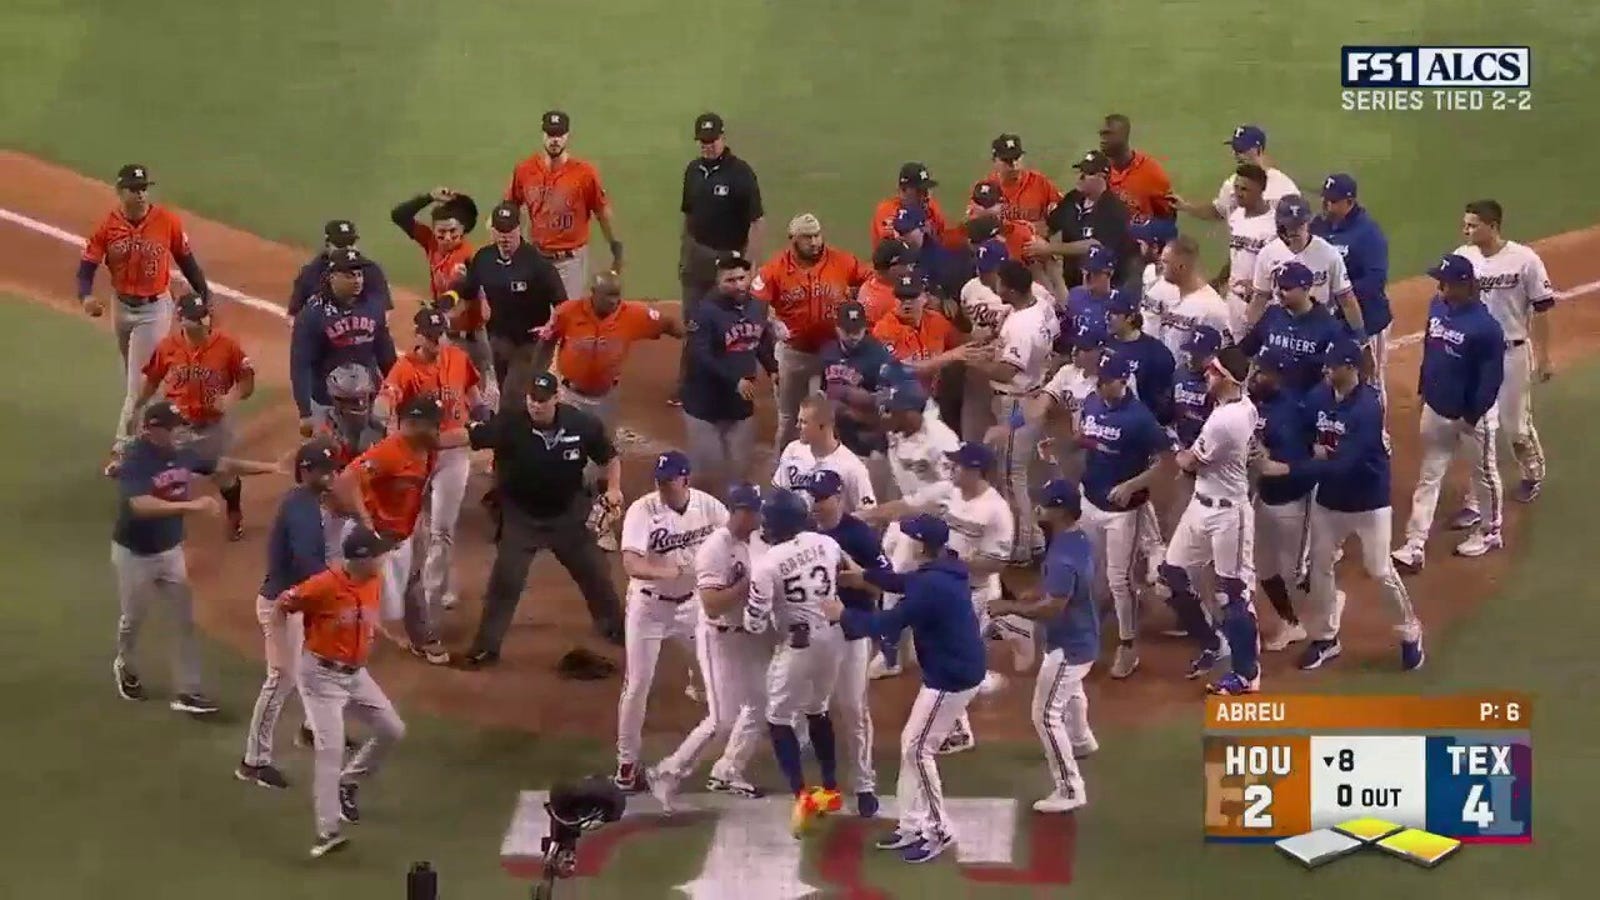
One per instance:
(604, 517)
(583, 665)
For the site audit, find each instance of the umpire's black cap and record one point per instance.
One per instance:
(708, 127)
(506, 217)
(543, 387)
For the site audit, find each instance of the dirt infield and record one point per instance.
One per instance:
(522, 693)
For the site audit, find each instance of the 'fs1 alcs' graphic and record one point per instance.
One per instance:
(1441, 79)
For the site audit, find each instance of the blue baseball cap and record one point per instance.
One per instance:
(851, 317)
(1203, 341)
(1154, 231)
(1247, 137)
(972, 455)
(364, 543)
(1274, 359)
(1059, 493)
(909, 287)
(1342, 351)
(1339, 186)
(1099, 259)
(926, 528)
(1122, 303)
(1292, 211)
(1294, 274)
(823, 483)
(1089, 337)
(1116, 367)
(909, 219)
(744, 495)
(1453, 268)
(907, 397)
(672, 464)
(990, 255)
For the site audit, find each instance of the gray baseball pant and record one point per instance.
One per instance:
(326, 693)
(139, 329)
(719, 452)
(1016, 460)
(574, 272)
(141, 581)
(476, 345)
(798, 375)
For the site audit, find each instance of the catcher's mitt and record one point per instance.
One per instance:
(604, 517)
(583, 665)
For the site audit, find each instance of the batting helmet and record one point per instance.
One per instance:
(1293, 211)
(783, 515)
(351, 388)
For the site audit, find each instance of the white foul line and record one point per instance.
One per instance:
(267, 306)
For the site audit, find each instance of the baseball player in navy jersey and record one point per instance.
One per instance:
(733, 662)
(1330, 280)
(1296, 325)
(730, 340)
(1150, 363)
(1088, 303)
(338, 326)
(852, 364)
(818, 448)
(1066, 391)
(850, 709)
(661, 533)
(1218, 529)
(1350, 462)
(1463, 368)
(1283, 503)
(1352, 231)
(1124, 445)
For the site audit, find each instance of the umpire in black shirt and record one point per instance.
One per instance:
(722, 213)
(521, 287)
(540, 450)
(1091, 213)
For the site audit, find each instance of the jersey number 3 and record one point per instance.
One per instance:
(816, 584)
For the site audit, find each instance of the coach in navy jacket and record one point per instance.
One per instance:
(337, 327)
(1348, 226)
(339, 234)
(730, 340)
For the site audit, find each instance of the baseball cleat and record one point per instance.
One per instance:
(1318, 653)
(607, 542)
(266, 776)
(878, 668)
(1408, 559)
(803, 811)
(1205, 662)
(1480, 542)
(734, 788)
(897, 840)
(826, 801)
(1126, 661)
(327, 843)
(867, 805)
(628, 779)
(958, 741)
(1286, 636)
(1085, 749)
(663, 787)
(1233, 684)
(992, 682)
(235, 526)
(1464, 519)
(1412, 656)
(1527, 490)
(349, 809)
(129, 687)
(926, 849)
(193, 704)
(433, 651)
(1058, 802)
(693, 691)
(113, 462)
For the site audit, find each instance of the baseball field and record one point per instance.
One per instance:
(260, 122)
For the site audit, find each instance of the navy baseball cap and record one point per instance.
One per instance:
(1059, 493)
(162, 414)
(364, 543)
(1089, 337)
(987, 194)
(1292, 211)
(1342, 351)
(1099, 259)
(915, 174)
(1007, 147)
(1294, 274)
(430, 322)
(1339, 186)
(972, 455)
(316, 455)
(984, 227)
(908, 397)
(555, 123)
(672, 464)
(1452, 268)
(505, 217)
(823, 483)
(708, 127)
(193, 307)
(1093, 163)
(134, 176)
(908, 287)
(744, 495)
(422, 408)
(890, 252)
(851, 317)
(543, 387)
(1274, 359)
(1203, 341)
(347, 259)
(733, 259)
(1154, 231)
(340, 232)
(909, 219)
(1122, 303)
(990, 255)
(1248, 137)
(1116, 367)
(925, 528)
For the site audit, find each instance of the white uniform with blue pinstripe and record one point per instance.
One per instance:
(1026, 338)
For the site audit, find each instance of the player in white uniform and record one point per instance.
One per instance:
(733, 662)
(1198, 303)
(982, 305)
(661, 533)
(1151, 237)
(1018, 371)
(1513, 283)
(1066, 391)
(794, 577)
(1218, 529)
(1251, 226)
(1249, 145)
(818, 447)
(1330, 280)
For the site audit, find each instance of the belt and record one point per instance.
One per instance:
(138, 299)
(341, 668)
(1008, 392)
(653, 594)
(1214, 503)
(462, 335)
(590, 394)
(560, 254)
(720, 628)
(1512, 345)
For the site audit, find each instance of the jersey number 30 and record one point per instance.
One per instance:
(816, 584)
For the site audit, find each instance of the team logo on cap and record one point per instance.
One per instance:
(1328, 185)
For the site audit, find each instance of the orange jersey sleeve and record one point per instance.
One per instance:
(445, 268)
(593, 350)
(1029, 197)
(341, 615)
(313, 595)
(877, 296)
(393, 479)
(1144, 187)
(139, 255)
(1017, 233)
(883, 220)
(805, 297)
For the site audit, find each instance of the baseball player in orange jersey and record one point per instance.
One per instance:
(916, 186)
(561, 194)
(919, 336)
(1028, 194)
(453, 217)
(139, 242)
(1135, 177)
(205, 373)
(439, 368)
(892, 260)
(590, 337)
(385, 488)
(804, 285)
(986, 219)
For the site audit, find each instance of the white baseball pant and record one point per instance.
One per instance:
(852, 715)
(139, 329)
(801, 681)
(649, 620)
(1441, 439)
(1223, 536)
(1116, 537)
(1516, 411)
(933, 714)
(1329, 530)
(447, 488)
(1061, 718)
(982, 596)
(733, 666)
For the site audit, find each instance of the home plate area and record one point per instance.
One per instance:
(753, 856)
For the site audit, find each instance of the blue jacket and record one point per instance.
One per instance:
(1069, 573)
(936, 604)
(1355, 476)
(727, 341)
(1121, 442)
(313, 280)
(1366, 257)
(862, 367)
(1282, 433)
(1153, 371)
(1304, 337)
(859, 542)
(1463, 360)
(1191, 406)
(297, 548)
(1083, 308)
(148, 470)
(328, 334)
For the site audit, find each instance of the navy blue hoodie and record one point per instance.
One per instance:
(728, 339)
(328, 334)
(936, 604)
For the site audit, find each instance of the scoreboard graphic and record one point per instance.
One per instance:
(1324, 776)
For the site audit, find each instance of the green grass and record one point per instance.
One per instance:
(277, 117)
(109, 798)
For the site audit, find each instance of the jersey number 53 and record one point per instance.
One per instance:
(815, 584)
